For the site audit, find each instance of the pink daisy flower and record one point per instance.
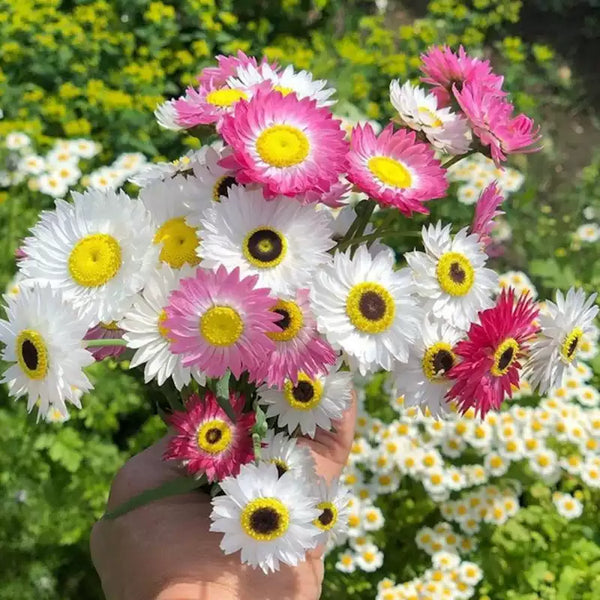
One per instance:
(207, 441)
(227, 66)
(105, 331)
(486, 211)
(395, 169)
(298, 346)
(491, 353)
(285, 143)
(334, 197)
(219, 321)
(444, 69)
(492, 121)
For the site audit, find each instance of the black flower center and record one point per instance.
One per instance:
(506, 358)
(457, 273)
(304, 391)
(372, 306)
(265, 520)
(222, 188)
(30, 355)
(281, 468)
(326, 516)
(213, 435)
(443, 361)
(285, 320)
(573, 346)
(265, 245)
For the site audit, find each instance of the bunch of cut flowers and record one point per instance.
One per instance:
(249, 282)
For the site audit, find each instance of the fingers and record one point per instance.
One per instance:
(331, 448)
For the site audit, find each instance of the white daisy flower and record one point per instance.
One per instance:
(281, 241)
(562, 329)
(332, 502)
(52, 185)
(97, 251)
(106, 178)
(346, 562)
(167, 116)
(151, 172)
(589, 232)
(32, 164)
(510, 180)
(366, 308)
(130, 162)
(145, 331)
(170, 204)
(372, 518)
(268, 517)
(310, 402)
(445, 561)
(69, 173)
(419, 110)
(451, 275)
(370, 558)
(43, 339)
(55, 415)
(61, 155)
(567, 506)
(17, 140)
(468, 194)
(84, 148)
(285, 453)
(286, 82)
(214, 180)
(470, 573)
(422, 380)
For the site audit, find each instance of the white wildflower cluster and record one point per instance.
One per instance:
(517, 280)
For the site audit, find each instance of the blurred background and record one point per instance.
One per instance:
(92, 71)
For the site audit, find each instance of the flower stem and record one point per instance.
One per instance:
(104, 342)
(457, 158)
(364, 210)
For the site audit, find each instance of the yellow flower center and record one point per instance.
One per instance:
(162, 317)
(214, 436)
(429, 116)
(571, 344)
(95, 260)
(179, 242)
(264, 247)
(370, 307)
(305, 395)
(437, 361)
(221, 326)
(455, 274)
(291, 321)
(112, 326)
(282, 146)
(283, 90)
(328, 517)
(225, 97)
(390, 171)
(32, 354)
(221, 187)
(265, 519)
(504, 357)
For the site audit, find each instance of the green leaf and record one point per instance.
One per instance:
(182, 485)
(223, 395)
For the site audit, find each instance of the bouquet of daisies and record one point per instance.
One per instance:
(249, 281)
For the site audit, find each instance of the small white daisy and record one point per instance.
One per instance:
(365, 307)
(69, 173)
(419, 110)
(567, 506)
(97, 251)
(346, 562)
(589, 232)
(281, 241)
(332, 501)
(285, 453)
(32, 164)
(310, 402)
(370, 558)
(562, 329)
(451, 275)
(145, 331)
(151, 172)
(130, 162)
(17, 140)
(214, 180)
(84, 148)
(52, 185)
(43, 339)
(61, 155)
(268, 517)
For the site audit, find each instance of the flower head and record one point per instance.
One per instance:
(489, 357)
(486, 211)
(395, 169)
(287, 144)
(106, 331)
(227, 66)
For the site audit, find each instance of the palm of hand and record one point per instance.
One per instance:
(164, 550)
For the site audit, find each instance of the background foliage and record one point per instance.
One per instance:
(97, 69)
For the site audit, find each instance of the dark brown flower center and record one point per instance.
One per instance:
(326, 516)
(265, 245)
(30, 355)
(505, 358)
(443, 361)
(223, 186)
(213, 435)
(304, 391)
(372, 306)
(285, 320)
(573, 346)
(265, 520)
(457, 273)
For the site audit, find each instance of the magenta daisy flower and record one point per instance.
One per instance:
(395, 169)
(285, 143)
(445, 69)
(490, 355)
(334, 197)
(298, 346)
(486, 211)
(105, 331)
(227, 66)
(219, 321)
(492, 121)
(207, 441)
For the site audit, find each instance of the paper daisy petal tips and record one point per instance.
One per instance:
(366, 309)
(43, 344)
(395, 169)
(562, 329)
(451, 276)
(218, 320)
(207, 441)
(282, 242)
(97, 252)
(287, 144)
(267, 518)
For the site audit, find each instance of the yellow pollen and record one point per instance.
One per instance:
(221, 326)
(265, 519)
(214, 436)
(162, 317)
(305, 394)
(431, 117)
(571, 344)
(225, 97)
(390, 172)
(283, 90)
(95, 260)
(32, 354)
(504, 357)
(179, 242)
(328, 517)
(282, 146)
(455, 273)
(370, 307)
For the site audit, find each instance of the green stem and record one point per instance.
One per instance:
(104, 342)
(457, 158)
(363, 209)
(256, 443)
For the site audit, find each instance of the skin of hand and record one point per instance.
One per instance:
(164, 550)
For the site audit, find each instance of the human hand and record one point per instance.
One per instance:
(164, 550)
